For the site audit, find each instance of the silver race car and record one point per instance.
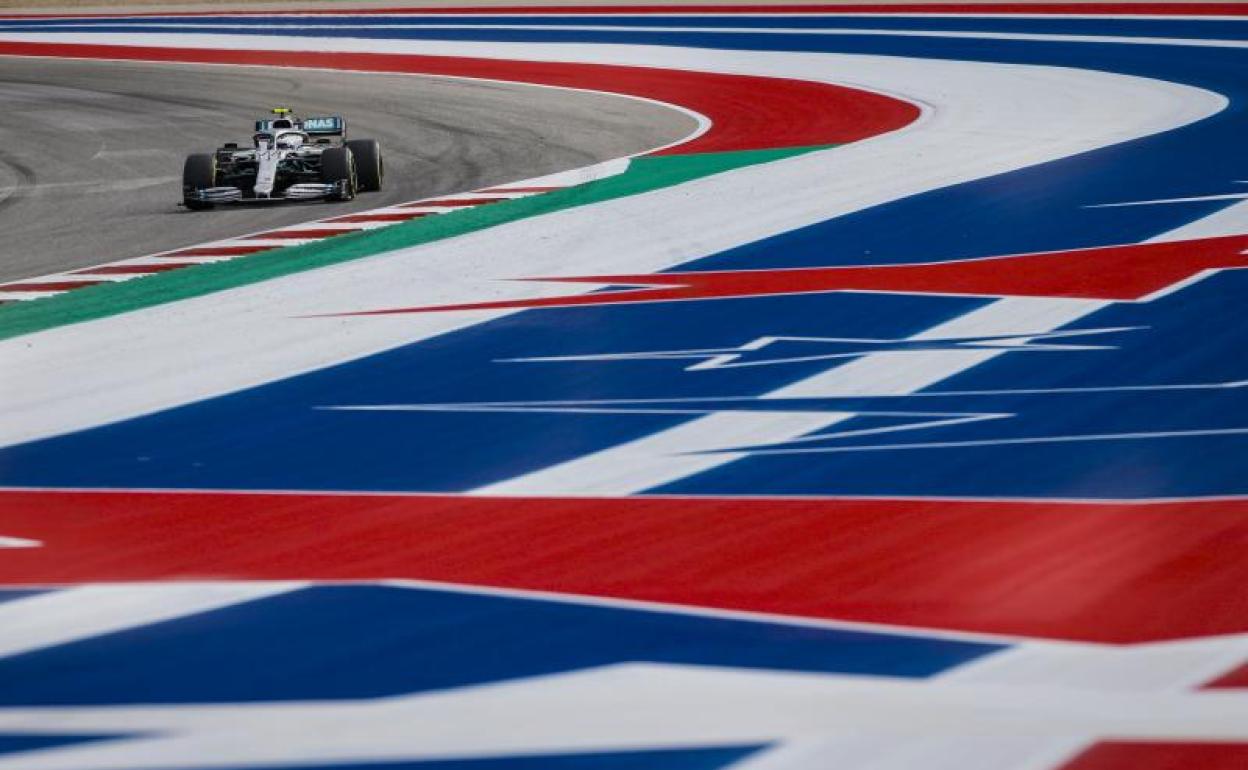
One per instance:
(290, 159)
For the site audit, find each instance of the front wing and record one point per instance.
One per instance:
(304, 191)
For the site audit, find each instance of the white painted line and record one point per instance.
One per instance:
(419, 209)
(19, 542)
(577, 176)
(352, 227)
(326, 223)
(474, 196)
(1196, 199)
(131, 262)
(276, 242)
(1231, 220)
(25, 296)
(62, 278)
(202, 260)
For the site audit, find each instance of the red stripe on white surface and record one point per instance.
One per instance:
(392, 216)
(439, 209)
(310, 234)
(461, 203)
(41, 285)
(134, 269)
(1131, 272)
(215, 251)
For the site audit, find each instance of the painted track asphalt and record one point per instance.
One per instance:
(90, 169)
(631, 528)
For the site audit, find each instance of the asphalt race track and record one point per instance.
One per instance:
(865, 391)
(91, 164)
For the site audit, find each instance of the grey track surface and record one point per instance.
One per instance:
(91, 152)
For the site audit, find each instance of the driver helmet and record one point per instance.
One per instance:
(289, 141)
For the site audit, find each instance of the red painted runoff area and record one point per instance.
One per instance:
(1110, 273)
(746, 112)
(1105, 572)
(1158, 755)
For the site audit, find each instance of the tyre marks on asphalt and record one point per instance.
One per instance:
(20, 178)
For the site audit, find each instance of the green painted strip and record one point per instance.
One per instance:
(643, 175)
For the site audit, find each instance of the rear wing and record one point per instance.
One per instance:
(332, 125)
(329, 125)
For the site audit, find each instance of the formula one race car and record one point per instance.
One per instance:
(291, 159)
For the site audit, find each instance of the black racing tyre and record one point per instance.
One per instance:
(368, 164)
(199, 172)
(338, 166)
